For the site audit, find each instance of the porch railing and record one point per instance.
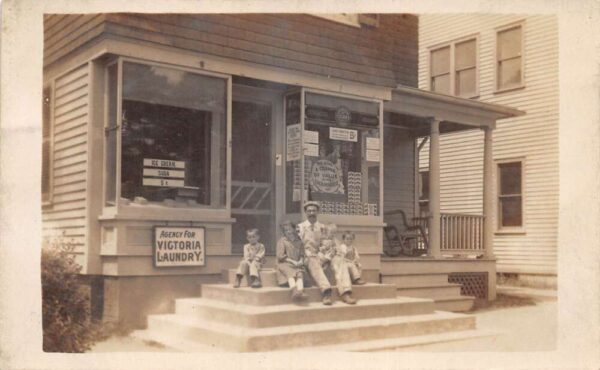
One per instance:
(460, 233)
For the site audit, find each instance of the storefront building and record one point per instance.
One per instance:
(167, 136)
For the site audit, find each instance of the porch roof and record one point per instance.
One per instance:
(412, 108)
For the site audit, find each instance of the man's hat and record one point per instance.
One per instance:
(312, 203)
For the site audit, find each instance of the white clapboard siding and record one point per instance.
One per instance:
(533, 137)
(65, 216)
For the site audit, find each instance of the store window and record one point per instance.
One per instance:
(173, 134)
(509, 58)
(454, 68)
(510, 195)
(46, 144)
(341, 152)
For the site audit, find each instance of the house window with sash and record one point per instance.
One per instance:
(510, 195)
(453, 68)
(509, 58)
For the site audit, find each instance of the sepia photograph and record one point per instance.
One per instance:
(261, 182)
(299, 182)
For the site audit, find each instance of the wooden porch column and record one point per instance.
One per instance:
(489, 201)
(434, 189)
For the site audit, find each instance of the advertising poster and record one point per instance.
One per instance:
(293, 143)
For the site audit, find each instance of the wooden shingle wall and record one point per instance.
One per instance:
(532, 137)
(65, 217)
(385, 55)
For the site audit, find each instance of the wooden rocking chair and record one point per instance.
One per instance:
(406, 242)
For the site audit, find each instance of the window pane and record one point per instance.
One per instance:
(509, 43)
(511, 212)
(111, 137)
(466, 82)
(441, 84)
(440, 61)
(464, 54)
(509, 73)
(424, 186)
(342, 154)
(173, 136)
(510, 178)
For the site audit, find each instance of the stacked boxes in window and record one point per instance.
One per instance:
(354, 191)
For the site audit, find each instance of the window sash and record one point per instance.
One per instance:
(505, 53)
(454, 87)
(508, 199)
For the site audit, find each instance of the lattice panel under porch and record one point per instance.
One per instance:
(473, 284)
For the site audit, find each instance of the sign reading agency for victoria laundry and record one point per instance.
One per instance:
(179, 246)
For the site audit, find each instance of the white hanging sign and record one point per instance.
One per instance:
(311, 136)
(311, 150)
(164, 163)
(293, 143)
(372, 155)
(344, 134)
(373, 143)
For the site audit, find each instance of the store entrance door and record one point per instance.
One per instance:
(252, 167)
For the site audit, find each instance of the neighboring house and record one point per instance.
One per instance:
(510, 60)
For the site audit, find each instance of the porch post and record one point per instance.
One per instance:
(489, 202)
(434, 189)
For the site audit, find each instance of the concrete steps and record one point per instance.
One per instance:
(268, 277)
(430, 285)
(293, 314)
(231, 337)
(271, 296)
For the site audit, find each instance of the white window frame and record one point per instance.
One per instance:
(510, 229)
(48, 197)
(121, 206)
(452, 45)
(497, 88)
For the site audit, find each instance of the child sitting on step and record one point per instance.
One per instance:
(290, 260)
(327, 249)
(254, 254)
(350, 255)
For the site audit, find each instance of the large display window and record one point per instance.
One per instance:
(166, 136)
(333, 153)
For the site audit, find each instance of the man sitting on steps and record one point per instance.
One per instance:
(311, 233)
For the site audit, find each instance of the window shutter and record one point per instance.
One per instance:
(46, 104)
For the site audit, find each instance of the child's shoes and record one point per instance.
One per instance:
(238, 281)
(359, 281)
(255, 282)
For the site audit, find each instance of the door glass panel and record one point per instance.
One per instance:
(251, 186)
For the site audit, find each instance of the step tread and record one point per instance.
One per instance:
(264, 310)
(412, 341)
(267, 289)
(430, 286)
(451, 298)
(177, 344)
(299, 329)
